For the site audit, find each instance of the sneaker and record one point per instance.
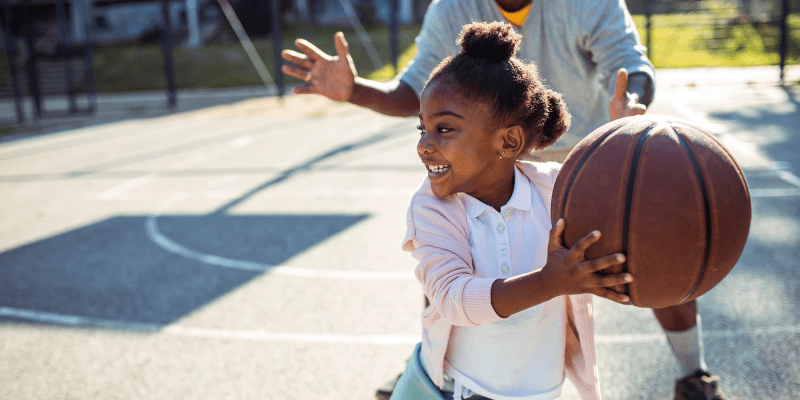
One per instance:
(385, 392)
(700, 385)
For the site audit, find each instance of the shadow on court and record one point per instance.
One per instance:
(773, 128)
(115, 270)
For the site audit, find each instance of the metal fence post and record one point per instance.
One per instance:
(395, 5)
(65, 54)
(276, 44)
(11, 48)
(88, 54)
(784, 37)
(33, 74)
(166, 44)
(648, 12)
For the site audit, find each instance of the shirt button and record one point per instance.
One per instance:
(505, 269)
(501, 228)
(506, 213)
(504, 249)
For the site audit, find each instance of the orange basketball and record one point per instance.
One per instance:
(665, 193)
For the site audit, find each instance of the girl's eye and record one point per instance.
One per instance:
(421, 129)
(442, 129)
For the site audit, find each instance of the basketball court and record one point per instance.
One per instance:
(251, 249)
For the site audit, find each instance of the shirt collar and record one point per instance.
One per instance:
(520, 198)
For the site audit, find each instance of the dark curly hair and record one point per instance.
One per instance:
(487, 69)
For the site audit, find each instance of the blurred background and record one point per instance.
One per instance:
(79, 48)
(174, 224)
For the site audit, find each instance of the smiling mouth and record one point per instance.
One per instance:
(437, 169)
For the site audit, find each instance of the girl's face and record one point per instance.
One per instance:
(461, 146)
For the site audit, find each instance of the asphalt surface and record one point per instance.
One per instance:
(243, 247)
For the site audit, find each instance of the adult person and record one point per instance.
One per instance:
(587, 50)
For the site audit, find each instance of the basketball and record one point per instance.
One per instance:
(665, 193)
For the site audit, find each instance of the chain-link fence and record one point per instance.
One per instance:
(60, 47)
(708, 33)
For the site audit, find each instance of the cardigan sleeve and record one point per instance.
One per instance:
(438, 238)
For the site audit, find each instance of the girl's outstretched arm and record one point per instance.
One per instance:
(567, 271)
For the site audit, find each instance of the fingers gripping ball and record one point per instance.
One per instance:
(665, 193)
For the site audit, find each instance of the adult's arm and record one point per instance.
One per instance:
(393, 98)
(612, 39)
(336, 78)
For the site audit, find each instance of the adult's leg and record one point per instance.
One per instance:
(683, 327)
(684, 334)
(677, 318)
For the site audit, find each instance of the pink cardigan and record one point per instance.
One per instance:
(438, 235)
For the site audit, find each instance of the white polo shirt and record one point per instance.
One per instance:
(522, 356)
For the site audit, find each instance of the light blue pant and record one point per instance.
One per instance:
(414, 383)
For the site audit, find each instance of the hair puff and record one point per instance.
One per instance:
(493, 42)
(488, 70)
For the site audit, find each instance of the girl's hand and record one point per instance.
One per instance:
(569, 272)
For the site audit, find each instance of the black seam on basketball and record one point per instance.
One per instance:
(707, 206)
(626, 216)
(580, 165)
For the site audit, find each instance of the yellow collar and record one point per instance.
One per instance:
(517, 17)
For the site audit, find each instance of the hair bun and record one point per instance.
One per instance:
(493, 42)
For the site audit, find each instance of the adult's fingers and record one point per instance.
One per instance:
(296, 58)
(342, 49)
(298, 73)
(636, 109)
(305, 89)
(621, 86)
(313, 52)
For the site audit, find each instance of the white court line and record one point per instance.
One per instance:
(241, 142)
(209, 333)
(709, 334)
(766, 193)
(266, 336)
(698, 118)
(75, 320)
(331, 338)
(155, 235)
(235, 194)
(782, 169)
(130, 185)
(749, 150)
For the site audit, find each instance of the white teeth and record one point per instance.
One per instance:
(437, 168)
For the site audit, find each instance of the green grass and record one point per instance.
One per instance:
(677, 42)
(685, 42)
(131, 66)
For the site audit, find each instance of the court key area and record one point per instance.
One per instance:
(252, 250)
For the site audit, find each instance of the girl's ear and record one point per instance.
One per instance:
(510, 141)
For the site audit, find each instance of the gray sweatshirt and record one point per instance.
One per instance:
(578, 46)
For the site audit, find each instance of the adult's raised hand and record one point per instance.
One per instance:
(330, 76)
(623, 103)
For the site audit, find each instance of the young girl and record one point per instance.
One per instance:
(510, 308)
